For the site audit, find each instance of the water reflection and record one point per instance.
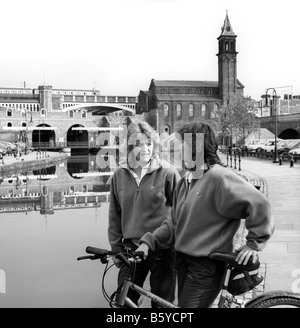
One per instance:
(75, 182)
(39, 256)
(48, 215)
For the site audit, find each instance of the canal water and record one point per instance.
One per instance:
(41, 240)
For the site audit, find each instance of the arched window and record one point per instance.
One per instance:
(43, 112)
(71, 114)
(203, 110)
(83, 114)
(167, 129)
(178, 110)
(166, 110)
(215, 110)
(9, 124)
(191, 110)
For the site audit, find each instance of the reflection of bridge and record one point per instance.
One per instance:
(75, 182)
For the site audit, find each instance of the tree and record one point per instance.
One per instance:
(237, 119)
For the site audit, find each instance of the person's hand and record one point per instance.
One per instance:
(117, 262)
(143, 248)
(244, 254)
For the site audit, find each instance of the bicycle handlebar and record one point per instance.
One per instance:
(98, 251)
(102, 254)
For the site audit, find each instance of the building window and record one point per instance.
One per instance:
(43, 112)
(166, 110)
(9, 112)
(178, 110)
(83, 114)
(9, 124)
(71, 114)
(215, 110)
(191, 110)
(203, 110)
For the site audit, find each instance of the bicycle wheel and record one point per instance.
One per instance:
(275, 299)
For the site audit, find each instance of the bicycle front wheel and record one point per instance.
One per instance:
(276, 299)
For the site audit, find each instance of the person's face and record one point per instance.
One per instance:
(142, 149)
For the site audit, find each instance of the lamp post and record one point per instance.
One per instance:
(275, 112)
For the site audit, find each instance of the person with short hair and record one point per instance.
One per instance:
(209, 203)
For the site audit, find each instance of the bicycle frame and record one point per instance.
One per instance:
(124, 300)
(127, 284)
(265, 300)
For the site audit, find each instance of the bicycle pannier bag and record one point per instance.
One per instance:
(241, 281)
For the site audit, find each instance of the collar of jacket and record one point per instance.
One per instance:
(155, 164)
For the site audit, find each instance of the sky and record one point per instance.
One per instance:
(118, 46)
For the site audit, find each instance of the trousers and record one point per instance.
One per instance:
(199, 280)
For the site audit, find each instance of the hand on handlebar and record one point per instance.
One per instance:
(143, 248)
(117, 262)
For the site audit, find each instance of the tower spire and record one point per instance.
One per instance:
(227, 30)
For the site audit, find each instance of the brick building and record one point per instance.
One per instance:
(168, 104)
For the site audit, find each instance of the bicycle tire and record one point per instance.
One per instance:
(275, 299)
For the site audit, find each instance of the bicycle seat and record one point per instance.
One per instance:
(229, 257)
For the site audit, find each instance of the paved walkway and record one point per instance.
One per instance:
(280, 183)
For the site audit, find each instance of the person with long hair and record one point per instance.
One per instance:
(141, 197)
(209, 203)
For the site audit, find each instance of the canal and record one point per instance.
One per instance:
(48, 217)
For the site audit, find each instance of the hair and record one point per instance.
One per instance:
(210, 144)
(142, 127)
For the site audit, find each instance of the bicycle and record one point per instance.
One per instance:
(227, 299)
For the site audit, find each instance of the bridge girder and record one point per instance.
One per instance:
(100, 108)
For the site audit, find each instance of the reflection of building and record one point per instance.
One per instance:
(57, 187)
(46, 201)
(175, 102)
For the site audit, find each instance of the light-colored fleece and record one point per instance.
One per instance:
(135, 210)
(206, 215)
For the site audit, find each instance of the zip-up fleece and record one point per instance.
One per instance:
(135, 210)
(206, 215)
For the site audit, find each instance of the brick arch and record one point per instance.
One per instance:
(289, 134)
